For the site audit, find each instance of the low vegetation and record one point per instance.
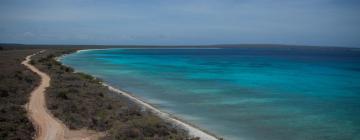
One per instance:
(16, 83)
(80, 101)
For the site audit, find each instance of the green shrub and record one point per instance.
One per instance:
(85, 76)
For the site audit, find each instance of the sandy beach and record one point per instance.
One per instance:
(192, 129)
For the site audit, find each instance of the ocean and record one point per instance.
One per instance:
(246, 93)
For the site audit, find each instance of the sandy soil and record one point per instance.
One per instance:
(46, 125)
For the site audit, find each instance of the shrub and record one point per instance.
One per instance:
(32, 62)
(63, 95)
(16, 83)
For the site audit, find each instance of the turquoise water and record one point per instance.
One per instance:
(241, 93)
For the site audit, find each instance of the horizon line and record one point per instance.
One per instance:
(184, 45)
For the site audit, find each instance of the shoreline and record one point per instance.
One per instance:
(192, 129)
(84, 50)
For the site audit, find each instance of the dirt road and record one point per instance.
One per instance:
(46, 125)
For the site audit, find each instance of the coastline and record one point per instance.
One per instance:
(190, 128)
(83, 50)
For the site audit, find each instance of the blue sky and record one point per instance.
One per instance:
(179, 22)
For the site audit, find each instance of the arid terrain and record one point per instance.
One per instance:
(67, 105)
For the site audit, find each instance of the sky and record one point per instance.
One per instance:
(181, 22)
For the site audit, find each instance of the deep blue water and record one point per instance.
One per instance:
(241, 93)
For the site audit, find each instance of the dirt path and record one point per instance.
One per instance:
(47, 126)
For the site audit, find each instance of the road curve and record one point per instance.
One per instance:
(47, 126)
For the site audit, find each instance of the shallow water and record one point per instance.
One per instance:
(241, 93)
